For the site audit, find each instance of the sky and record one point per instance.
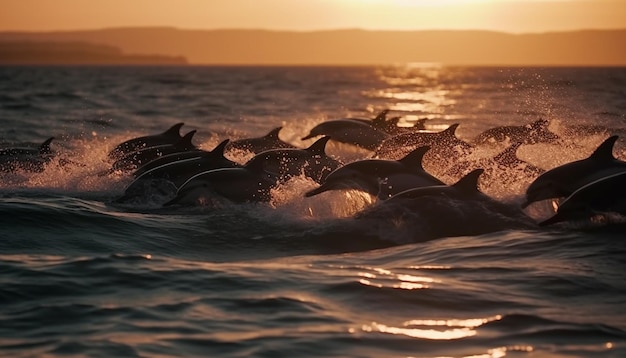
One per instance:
(513, 16)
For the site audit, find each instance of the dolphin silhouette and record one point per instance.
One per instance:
(32, 159)
(286, 163)
(134, 160)
(349, 131)
(249, 183)
(170, 136)
(443, 143)
(607, 194)
(380, 177)
(564, 180)
(261, 144)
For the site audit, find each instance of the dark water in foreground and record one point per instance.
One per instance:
(328, 276)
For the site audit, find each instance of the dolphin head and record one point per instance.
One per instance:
(347, 177)
(546, 186)
(194, 191)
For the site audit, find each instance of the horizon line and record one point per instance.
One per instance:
(314, 30)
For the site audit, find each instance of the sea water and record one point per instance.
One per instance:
(326, 276)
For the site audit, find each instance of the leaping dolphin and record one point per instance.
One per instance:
(606, 194)
(564, 180)
(134, 160)
(286, 163)
(261, 144)
(351, 132)
(246, 184)
(26, 158)
(536, 132)
(175, 173)
(372, 175)
(170, 136)
(466, 188)
(506, 161)
(443, 143)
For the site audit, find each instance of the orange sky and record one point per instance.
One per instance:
(500, 15)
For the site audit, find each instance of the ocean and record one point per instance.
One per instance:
(327, 276)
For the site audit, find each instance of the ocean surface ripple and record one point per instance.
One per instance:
(335, 275)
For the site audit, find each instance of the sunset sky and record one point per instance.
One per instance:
(516, 16)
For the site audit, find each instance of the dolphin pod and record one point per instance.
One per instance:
(191, 176)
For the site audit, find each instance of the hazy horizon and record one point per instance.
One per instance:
(509, 16)
(352, 47)
(308, 31)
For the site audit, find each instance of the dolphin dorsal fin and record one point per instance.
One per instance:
(185, 142)
(509, 155)
(605, 150)
(415, 158)
(449, 132)
(273, 134)
(469, 183)
(44, 148)
(319, 147)
(220, 148)
(174, 130)
(381, 117)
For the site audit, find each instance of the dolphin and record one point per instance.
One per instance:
(607, 194)
(26, 158)
(390, 125)
(564, 180)
(349, 131)
(170, 136)
(465, 189)
(443, 211)
(134, 160)
(176, 173)
(261, 144)
(249, 183)
(378, 176)
(536, 132)
(506, 161)
(286, 163)
(42, 149)
(380, 122)
(443, 143)
(168, 159)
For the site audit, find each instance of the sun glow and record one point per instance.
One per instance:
(396, 3)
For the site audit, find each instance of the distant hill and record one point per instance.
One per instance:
(355, 47)
(72, 53)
